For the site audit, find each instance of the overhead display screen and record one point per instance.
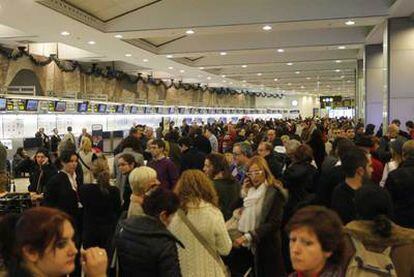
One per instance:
(31, 105)
(60, 106)
(83, 107)
(3, 104)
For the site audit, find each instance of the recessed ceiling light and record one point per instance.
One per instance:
(169, 56)
(244, 81)
(341, 47)
(231, 83)
(244, 65)
(289, 64)
(224, 81)
(65, 33)
(302, 87)
(223, 53)
(182, 70)
(224, 76)
(208, 78)
(201, 67)
(170, 67)
(267, 28)
(91, 42)
(275, 79)
(128, 55)
(308, 78)
(338, 61)
(289, 84)
(189, 32)
(297, 72)
(337, 70)
(118, 36)
(343, 76)
(259, 74)
(280, 50)
(350, 22)
(145, 60)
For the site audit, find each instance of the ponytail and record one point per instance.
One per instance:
(382, 226)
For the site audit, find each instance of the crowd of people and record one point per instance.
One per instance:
(311, 197)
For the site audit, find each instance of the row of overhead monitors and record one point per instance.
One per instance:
(14, 105)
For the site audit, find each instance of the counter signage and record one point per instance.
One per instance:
(3, 104)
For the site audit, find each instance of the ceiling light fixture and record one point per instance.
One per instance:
(289, 84)
(341, 47)
(170, 67)
(244, 66)
(189, 32)
(280, 50)
(182, 70)
(308, 78)
(224, 81)
(128, 55)
(297, 72)
(259, 74)
(244, 85)
(145, 60)
(91, 42)
(118, 36)
(337, 70)
(223, 53)
(244, 81)
(208, 78)
(169, 56)
(275, 79)
(350, 23)
(231, 83)
(201, 67)
(224, 76)
(289, 64)
(65, 33)
(267, 28)
(338, 61)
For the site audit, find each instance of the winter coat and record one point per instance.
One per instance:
(192, 159)
(275, 163)
(400, 184)
(40, 176)
(401, 242)
(146, 248)
(228, 192)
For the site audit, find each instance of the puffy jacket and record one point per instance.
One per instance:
(146, 248)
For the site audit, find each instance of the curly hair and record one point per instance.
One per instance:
(193, 187)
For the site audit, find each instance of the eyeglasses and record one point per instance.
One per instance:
(254, 173)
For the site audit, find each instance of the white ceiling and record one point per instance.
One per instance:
(309, 32)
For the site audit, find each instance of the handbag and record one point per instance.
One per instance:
(203, 242)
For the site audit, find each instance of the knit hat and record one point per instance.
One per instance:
(371, 201)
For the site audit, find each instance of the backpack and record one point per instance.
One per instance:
(367, 263)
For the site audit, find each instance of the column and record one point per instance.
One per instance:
(400, 69)
(373, 59)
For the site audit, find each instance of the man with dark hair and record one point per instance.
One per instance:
(365, 143)
(167, 172)
(191, 158)
(265, 150)
(401, 132)
(209, 134)
(201, 142)
(410, 128)
(356, 165)
(350, 133)
(400, 184)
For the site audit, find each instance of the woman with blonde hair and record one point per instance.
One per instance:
(141, 180)
(85, 155)
(200, 226)
(259, 243)
(101, 206)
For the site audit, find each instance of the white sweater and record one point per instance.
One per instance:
(195, 261)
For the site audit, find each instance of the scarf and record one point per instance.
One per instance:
(252, 204)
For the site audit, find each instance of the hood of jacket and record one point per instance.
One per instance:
(362, 229)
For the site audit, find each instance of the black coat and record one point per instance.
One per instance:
(343, 202)
(101, 209)
(202, 144)
(192, 159)
(300, 180)
(327, 183)
(228, 192)
(268, 258)
(275, 163)
(54, 143)
(59, 194)
(400, 184)
(146, 248)
(40, 176)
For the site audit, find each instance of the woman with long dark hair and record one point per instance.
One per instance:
(101, 206)
(40, 243)
(318, 147)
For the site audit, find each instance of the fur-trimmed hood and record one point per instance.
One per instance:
(362, 230)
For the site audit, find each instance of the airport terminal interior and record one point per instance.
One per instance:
(210, 138)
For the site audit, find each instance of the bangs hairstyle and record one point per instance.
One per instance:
(139, 177)
(262, 164)
(193, 187)
(39, 227)
(327, 227)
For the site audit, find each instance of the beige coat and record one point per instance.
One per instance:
(401, 241)
(195, 261)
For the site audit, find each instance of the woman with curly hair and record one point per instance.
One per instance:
(199, 211)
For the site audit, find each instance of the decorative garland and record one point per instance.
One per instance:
(108, 73)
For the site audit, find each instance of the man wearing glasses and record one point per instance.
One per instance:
(242, 152)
